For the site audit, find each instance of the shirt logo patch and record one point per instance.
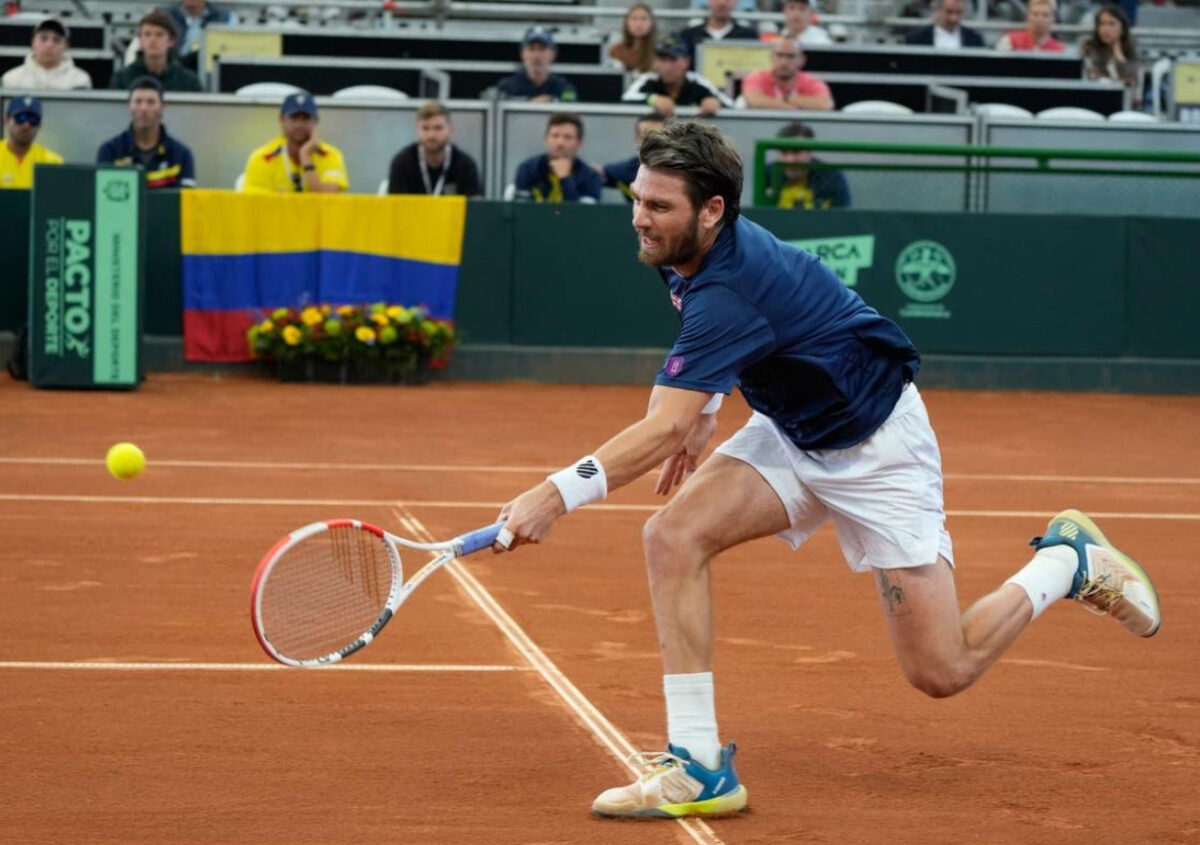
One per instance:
(674, 365)
(677, 302)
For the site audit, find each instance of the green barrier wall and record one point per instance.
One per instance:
(974, 285)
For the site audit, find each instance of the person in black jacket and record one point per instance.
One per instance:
(947, 31)
(433, 165)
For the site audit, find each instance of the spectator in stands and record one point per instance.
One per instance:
(535, 82)
(620, 174)
(718, 26)
(47, 67)
(19, 152)
(433, 165)
(297, 160)
(168, 163)
(793, 183)
(190, 18)
(558, 175)
(786, 85)
(671, 84)
(156, 57)
(947, 31)
(1039, 20)
(633, 49)
(1111, 53)
(798, 25)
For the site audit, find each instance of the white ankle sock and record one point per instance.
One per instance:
(692, 716)
(1048, 577)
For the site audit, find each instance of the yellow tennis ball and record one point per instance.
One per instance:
(125, 461)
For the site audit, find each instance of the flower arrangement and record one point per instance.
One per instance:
(376, 342)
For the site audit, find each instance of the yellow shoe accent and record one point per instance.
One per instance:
(722, 805)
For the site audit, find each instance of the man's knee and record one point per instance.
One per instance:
(938, 679)
(670, 542)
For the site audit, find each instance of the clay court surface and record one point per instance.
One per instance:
(500, 697)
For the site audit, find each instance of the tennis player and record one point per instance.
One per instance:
(839, 432)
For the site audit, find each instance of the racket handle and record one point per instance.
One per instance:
(473, 541)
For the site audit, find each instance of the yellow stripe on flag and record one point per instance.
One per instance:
(417, 228)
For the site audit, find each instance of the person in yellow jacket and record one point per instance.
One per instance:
(19, 153)
(296, 161)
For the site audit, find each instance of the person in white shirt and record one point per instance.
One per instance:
(798, 25)
(47, 67)
(947, 31)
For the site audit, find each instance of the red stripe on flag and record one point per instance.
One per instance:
(217, 335)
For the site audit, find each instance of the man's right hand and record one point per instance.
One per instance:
(683, 463)
(663, 105)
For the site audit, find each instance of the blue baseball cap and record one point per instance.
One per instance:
(301, 101)
(538, 35)
(671, 46)
(24, 105)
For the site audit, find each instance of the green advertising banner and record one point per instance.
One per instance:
(85, 277)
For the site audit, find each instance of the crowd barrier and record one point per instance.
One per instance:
(223, 129)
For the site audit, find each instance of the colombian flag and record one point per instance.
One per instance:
(244, 254)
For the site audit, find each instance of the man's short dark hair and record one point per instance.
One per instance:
(144, 83)
(559, 118)
(796, 129)
(706, 159)
(161, 19)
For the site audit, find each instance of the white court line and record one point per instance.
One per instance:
(605, 731)
(500, 468)
(434, 503)
(102, 665)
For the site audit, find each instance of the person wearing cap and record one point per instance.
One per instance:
(718, 26)
(671, 84)
(296, 161)
(156, 37)
(19, 153)
(47, 67)
(785, 85)
(535, 81)
(798, 26)
(168, 163)
(559, 174)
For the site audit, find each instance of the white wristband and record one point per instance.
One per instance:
(714, 404)
(582, 482)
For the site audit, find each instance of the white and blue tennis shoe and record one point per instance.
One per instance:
(676, 786)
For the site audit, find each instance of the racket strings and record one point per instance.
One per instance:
(326, 591)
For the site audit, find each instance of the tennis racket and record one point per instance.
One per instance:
(327, 589)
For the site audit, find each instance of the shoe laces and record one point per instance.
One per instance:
(1097, 597)
(652, 762)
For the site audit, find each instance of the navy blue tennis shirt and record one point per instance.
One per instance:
(803, 348)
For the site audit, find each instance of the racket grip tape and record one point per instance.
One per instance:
(481, 538)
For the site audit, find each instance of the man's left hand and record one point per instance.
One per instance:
(530, 516)
(679, 466)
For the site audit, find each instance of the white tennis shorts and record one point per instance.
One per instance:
(884, 495)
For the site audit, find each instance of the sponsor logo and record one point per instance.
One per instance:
(844, 256)
(677, 301)
(674, 365)
(117, 191)
(925, 272)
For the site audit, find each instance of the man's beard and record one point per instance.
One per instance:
(681, 252)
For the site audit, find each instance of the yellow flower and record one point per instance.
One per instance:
(266, 326)
(395, 312)
(347, 310)
(366, 334)
(388, 334)
(291, 335)
(326, 310)
(379, 319)
(311, 316)
(279, 314)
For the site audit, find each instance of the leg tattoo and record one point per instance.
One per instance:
(893, 596)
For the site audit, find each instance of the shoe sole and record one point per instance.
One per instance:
(1091, 528)
(714, 808)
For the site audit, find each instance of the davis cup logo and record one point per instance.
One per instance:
(925, 272)
(674, 365)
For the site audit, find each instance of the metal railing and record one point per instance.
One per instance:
(977, 164)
